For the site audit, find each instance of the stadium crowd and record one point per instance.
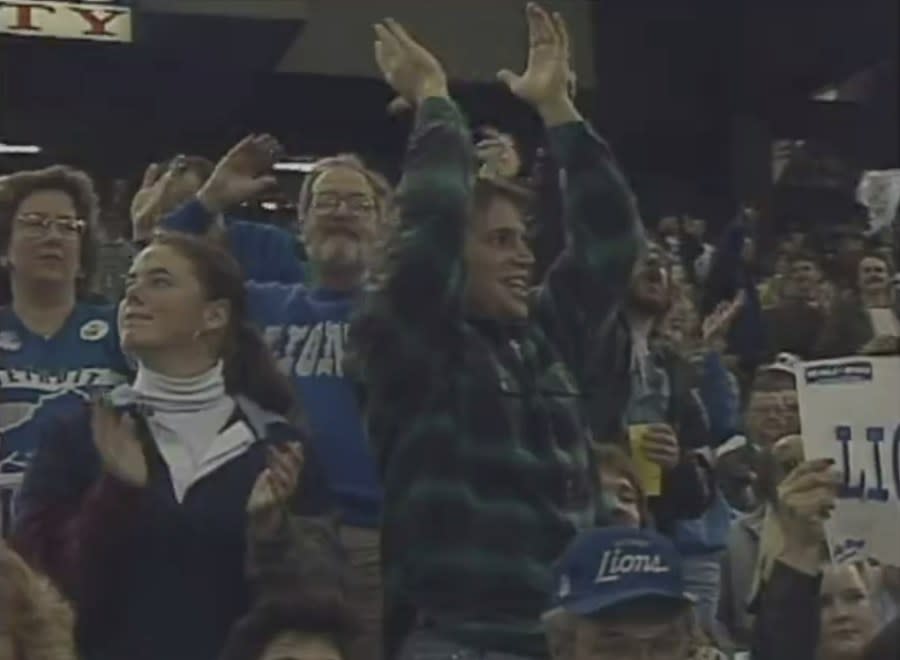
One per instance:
(409, 439)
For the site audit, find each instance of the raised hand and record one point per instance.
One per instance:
(116, 440)
(806, 498)
(242, 174)
(413, 72)
(150, 200)
(497, 154)
(717, 324)
(273, 489)
(546, 82)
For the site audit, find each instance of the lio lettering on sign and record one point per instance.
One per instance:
(850, 413)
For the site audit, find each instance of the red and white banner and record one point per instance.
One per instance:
(93, 20)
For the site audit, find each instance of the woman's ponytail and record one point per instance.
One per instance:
(251, 370)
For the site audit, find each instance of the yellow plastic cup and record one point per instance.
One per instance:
(649, 472)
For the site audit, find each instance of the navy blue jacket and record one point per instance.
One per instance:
(150, 577)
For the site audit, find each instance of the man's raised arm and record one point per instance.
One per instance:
(424, 278)
(583, 289)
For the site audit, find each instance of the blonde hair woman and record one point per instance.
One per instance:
(35, 622)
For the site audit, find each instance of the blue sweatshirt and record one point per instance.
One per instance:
(265, 253)
(306, 328)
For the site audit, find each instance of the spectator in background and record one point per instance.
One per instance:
(849, 248)
(138, 507)
(776, 287)
(620, 594)
(55, 350)
(664, 404)
(794, 323)
(35, 622)
(471, 384)
(866, 321)
(735, 269)
(749, 476)
(115, 249)
(306, 627)
(702, 541)
(810, 610)
(264, 252)
(669, 232)
(623, 499)
(697, 252)
(343, 208)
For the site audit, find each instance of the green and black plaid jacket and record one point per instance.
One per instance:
(478, 426)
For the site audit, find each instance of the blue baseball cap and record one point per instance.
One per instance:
(611, 566)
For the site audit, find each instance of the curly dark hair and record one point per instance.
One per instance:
(17, 187)
(320, 614)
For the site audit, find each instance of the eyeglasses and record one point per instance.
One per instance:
(37, 225)
(330, 202)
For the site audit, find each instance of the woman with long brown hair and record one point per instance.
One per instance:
(138, 507)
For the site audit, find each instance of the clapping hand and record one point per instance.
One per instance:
(408, 67)
(242, 174)
(116, 440)
(546, 82)
(274, 487)
(717, 324)
(497, 154)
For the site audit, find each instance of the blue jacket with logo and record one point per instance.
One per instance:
(43, 378)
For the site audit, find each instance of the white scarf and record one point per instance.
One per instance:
(187, 418)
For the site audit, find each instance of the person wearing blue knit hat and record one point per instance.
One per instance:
(619, 593)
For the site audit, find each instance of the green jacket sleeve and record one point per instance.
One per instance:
(424, 284)
(579, 300)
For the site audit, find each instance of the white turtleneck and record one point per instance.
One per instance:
(187, 420)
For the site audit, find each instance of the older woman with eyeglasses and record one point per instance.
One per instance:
(55, 351)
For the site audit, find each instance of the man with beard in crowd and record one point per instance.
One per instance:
(664, 399)
(667, 422)
(796, 321)
(342, 208)
(472, 384)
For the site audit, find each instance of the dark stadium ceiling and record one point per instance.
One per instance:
(669, 78)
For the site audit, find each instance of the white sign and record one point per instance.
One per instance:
(850, 412)
(879, 191)
(94, 20)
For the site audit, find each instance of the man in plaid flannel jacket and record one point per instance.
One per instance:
(473, 384)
